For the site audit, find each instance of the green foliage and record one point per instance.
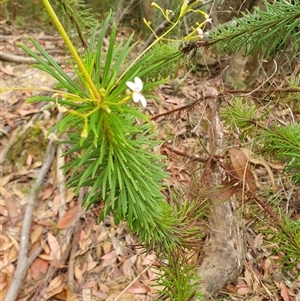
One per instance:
(287, 243)
(242, 116)
(173, 60)
(114, 155)
(285, 143)
(269, 29)
(179, 277)
(77, 16)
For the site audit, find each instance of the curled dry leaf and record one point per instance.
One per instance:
(55, 282)
(54, 246)
(240, 163)
(66, 294)
(264, 163)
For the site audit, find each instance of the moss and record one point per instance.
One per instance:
(32, 143)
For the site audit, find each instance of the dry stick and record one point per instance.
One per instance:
(124, 12)
(241, 93)
(71, 265)
(23, 59)
(61, 181)
(39, 37)
(183, 154)
(23, 260)
(136, 278)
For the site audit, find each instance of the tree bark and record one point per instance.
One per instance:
(223, 251)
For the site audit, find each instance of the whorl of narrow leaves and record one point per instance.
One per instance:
(111, 143)
(269, 29)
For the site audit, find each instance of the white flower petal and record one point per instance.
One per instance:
(200, 32)
(208, 20)
(136, 96)
(143, 101)
(138, 83)
(131, 86)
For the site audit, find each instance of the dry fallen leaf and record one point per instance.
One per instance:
(254, 160)
(86, 294)
(38, 268)
(69, 218)
(55, 282)
(138, 288)
(47, 193)
(66, 295)
(5, 283)
(36, 233)
(225, 191)
(240, 163)
(54, 246)
(284, 292)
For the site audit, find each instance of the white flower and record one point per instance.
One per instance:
(200, 32)
(136, 87)
(208, 20)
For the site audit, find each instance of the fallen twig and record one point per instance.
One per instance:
(71, 265)
(23, 59)
(183, 154)
(61, 181)
(23, 260)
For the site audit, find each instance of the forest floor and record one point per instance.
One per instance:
(73, 256)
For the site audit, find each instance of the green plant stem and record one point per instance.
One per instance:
(148, 48)
(71, 48)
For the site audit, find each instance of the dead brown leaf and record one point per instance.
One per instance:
(225, 191)
(69, 218)
(38, 267)
(36, 233)
(66, 295)
(8, 69)
(5, 283)
(23, 112)
(284, 292)
(47, 193)
(138, 288)
(54, 246)
(240, 163)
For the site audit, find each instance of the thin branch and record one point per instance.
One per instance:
(24, 59)
(224, 93)
(23, 260)
(183, 154)
(61, 181)
(71, 265)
